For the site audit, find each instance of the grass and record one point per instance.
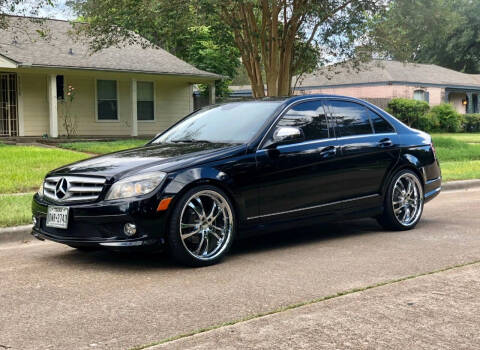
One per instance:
(22, 168)
(102, 147)
(464, 170)
(15, 210)
(465, 137)
(452, 149)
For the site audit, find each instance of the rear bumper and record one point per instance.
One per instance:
(102, 224)
(432, 188)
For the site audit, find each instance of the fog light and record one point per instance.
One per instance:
(34, 221)
(130, 229)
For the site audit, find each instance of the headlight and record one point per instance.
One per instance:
(135, 185)
(40, 190)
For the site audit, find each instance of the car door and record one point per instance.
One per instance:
(299, 178)
(368, 148)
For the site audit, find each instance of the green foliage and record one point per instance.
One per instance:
(471, 123)
(443, 32)
(205, 52)
(449, 119)
(185, 28)
(411, 112)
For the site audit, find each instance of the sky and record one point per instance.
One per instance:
(59, 11)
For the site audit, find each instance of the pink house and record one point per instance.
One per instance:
(380, 81)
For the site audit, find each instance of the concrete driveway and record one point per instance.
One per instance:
(53, 297)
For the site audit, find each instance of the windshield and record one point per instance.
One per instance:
(229, 123)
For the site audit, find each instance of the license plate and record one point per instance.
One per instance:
(57, 217)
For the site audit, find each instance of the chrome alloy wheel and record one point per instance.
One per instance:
(407, 199)
(206, 224)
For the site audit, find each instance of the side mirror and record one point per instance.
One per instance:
(286, 134)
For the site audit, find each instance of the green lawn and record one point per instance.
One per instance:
(15, 210)
(22, 168)
(465, 137)
(102, 147)
(459, 155)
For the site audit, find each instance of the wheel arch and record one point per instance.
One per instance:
(196, 177)
(407, 162)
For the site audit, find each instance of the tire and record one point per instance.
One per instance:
(407, 210)
(208, 227)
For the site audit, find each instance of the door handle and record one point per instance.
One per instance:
(383, 143)
(329, 151)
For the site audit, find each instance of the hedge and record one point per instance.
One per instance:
(417, 114)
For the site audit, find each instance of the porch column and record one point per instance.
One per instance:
(446, 96)
(52, 105)
(478, 103)
(133, 93)
(469, 102)
(211, 93)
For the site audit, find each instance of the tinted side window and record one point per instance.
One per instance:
(350, 118)
(380, 125)
(310, 117)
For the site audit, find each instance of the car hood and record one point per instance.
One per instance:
(161, 157)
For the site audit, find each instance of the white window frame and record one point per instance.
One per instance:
(154, 102)
(424, 94)
(118, 103)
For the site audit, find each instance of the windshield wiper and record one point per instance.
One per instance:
(189, 141)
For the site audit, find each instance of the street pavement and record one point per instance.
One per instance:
(54, 297)
(438, 311)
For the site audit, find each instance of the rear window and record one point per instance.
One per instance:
(350, 118)
(380, 125)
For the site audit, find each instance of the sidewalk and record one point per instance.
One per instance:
(437, 311)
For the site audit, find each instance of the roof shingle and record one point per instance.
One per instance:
(61, 49)
(378, 71)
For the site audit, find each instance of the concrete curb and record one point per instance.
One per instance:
(460, 185)
(16, 234)
(22, 233)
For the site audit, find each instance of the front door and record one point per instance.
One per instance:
(8, 105)
(300, 178)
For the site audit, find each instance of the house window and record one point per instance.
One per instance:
(145, 101)
(107, 100)
(420, 95)
(60, 87)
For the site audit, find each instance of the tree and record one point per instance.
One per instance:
(443, 32)
(267, 33)
(182, 27)
(25, 8)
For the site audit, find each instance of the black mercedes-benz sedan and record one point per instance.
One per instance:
(243, 168)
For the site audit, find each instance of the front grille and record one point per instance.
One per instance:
(66, 189)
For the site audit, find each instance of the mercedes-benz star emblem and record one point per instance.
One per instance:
(61, 188)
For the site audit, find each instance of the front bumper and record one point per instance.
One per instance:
(102, 223)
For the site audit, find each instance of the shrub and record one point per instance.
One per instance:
(427, 123)
(471, 123)
(449, 119)
(411, 112)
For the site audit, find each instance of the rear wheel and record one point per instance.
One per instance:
(202, 226)
(403, 202)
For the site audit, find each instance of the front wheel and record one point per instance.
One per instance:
(202, 226)
(403, 202)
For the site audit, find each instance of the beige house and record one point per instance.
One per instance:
(117, 91)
